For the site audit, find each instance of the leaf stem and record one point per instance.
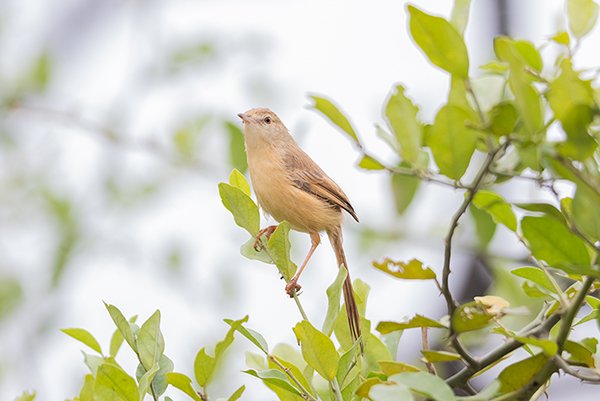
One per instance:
(337, 392)
(305, 394)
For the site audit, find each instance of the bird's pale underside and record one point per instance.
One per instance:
(290, 186)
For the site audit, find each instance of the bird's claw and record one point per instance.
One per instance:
(292, 288)
(258, 244)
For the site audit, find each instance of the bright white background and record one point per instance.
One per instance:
(110, 68)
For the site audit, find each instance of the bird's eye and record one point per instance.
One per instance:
(267, 120)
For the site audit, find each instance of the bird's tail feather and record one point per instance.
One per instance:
(335, 236)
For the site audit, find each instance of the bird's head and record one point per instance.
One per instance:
(262, 123)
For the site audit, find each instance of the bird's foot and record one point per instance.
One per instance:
(267, 232)
(292, 287)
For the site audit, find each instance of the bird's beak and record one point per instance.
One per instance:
(245, 118)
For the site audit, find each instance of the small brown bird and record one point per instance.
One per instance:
(290, 186)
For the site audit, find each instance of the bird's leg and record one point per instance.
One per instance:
(267, 231)
(293, 284)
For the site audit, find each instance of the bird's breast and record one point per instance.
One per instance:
(283, 200)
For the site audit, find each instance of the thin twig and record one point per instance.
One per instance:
(426, 176)
(294, 293)
(565, 367)
(305, 394)
(425, 342)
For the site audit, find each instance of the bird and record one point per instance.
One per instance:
(290, 186)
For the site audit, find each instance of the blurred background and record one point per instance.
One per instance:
(117, 121)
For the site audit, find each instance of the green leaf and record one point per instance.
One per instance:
(484, 226)
(317, 349)
(183, 383)
(333, 301)
(242, 207)
(375, 351)
(247, 250)
(256, 338)
(275, 378)
(279, 249)
(440, 356)
(582, 16)
(393, 367)
(580, 354)
(347, 360)
(499, 209)
(404, 189)
(204, 364)
(562, 38)
(117, 339)
(150, 341)
(517, 375)
(572, 101)
(440, 42)
(452, 143)
(535, 275)
(401, 117)
(460, 14)
(503, 118)
(93, 362)
(146, 380)
(87, 390)
(425, 384)
(365, 386)
(237, 179)
(112, 384)
(85, 337)
(390, 392)
(333, 113)
(470, 316)
(521, 55)
(544, 208)
(237, 394)
(26, 396)
(586, 204)
(495, 67)
(237, 150)
(547, 346)
(159, 383)
(416, 321)
(411, 270)
(122, 324)
(551, 241)
(370, 163)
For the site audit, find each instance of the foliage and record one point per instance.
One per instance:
(472, 150)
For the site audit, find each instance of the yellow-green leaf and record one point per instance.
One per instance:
(412, 270)
(183, 383)
(517, 375)
(85, 337)
(237, 179)
(150, 342)
(440, 42)
(551, 241)
(279, 250)
(113, 384)
(401, 117)
(500, 210)
(242, 207)
(333, 113)
(452, 143)
(582, 16)
(417, 321)
(317, 349)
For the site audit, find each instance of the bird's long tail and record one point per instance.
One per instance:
(335, 236)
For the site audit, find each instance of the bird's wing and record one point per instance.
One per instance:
(309, 177)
